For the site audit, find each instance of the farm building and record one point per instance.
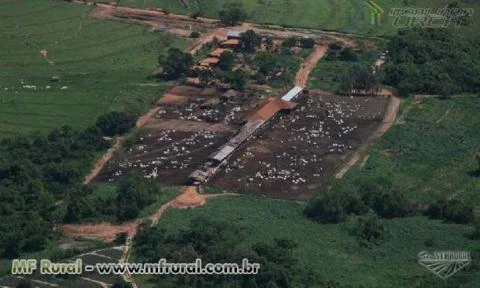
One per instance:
(230, 44)
(271, 108)
(292, 94)
(210, 61)
(234, 34)
(218, 52)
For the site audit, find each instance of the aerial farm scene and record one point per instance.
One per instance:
(259, 143)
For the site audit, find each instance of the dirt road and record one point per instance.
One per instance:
(302, 75)
(388, 121)
(102, 161)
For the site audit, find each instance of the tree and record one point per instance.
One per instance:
(307, 43)
(368, 229)
(121, 284)
(116, 123)
(176, 64)
(232, 14)
(226, 61)
(249, 41)
(194, 34)
(134, 193)
(290, 42)
(348, 54)
(238, 79)
(205, 76)
(268, 43)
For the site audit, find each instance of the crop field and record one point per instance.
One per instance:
(351, 16)
(429, 153)
(59, 66)
(329, 248)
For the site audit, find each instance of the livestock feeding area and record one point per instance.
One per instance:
(250, 156)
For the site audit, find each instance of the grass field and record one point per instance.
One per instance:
(100, 65)
(342, 15)
(429, 156)
(330, 249)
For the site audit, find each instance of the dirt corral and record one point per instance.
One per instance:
(190, 124)
(304, 148)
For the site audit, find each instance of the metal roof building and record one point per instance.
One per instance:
(292, 94)
(234, 34)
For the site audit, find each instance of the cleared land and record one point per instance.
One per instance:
(59, 66)
(304, 148)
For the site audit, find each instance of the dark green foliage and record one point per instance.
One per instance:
(307, 43)
(134, 193)
(368, 229)
(452, 210)
(232, 14)
(249, 41)
(116, 123)
(359, 77)
(25, 283)
(334, 205)
(237, 79)
(34, 171)
(348, 54)
(219, 241)
(290, 42)
(176, 64)
(121, 284)
(226, 61)
(433, 61)
(194, 34)
(121, 238)
(277, 70)
(206, 76)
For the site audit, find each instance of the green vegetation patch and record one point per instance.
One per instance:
(60, 66)
(330, 249)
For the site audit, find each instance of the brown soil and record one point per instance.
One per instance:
(102, 161)
(303, 149)
(309, 64)
(387, 122)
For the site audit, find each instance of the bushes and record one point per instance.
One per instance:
(116, 123)
(368, 229)
(452, 210)
(195, 34)
(334, 206)
(176, 64)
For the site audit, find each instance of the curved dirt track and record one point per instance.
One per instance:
(302, 75)
(388, 121)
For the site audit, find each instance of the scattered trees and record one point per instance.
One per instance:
(232, 14)
(237, 79)
(220, 241)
